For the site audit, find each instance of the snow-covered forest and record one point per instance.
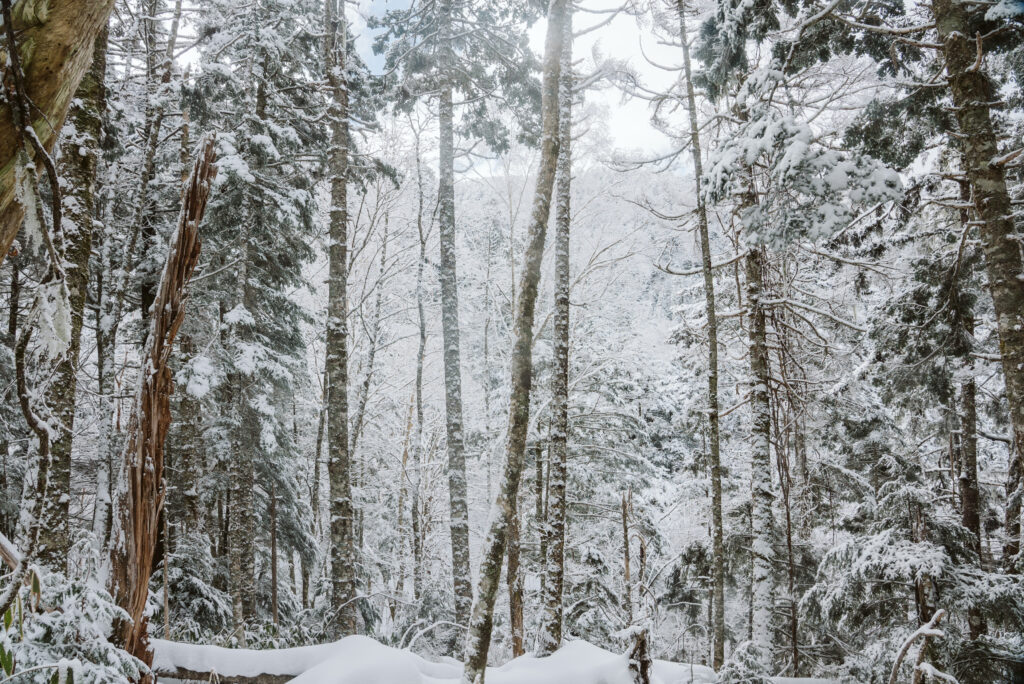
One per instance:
(517, 341)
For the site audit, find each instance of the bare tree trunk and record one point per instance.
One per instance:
(717, 532)
(761, 470)
(973, 96)
(627, 580)
(343, 580)
(448, 278)
(273, 554)
(554, 529)
(479, 638)
(140, 491)
(417, 444)
(79, 160)
(514, 579)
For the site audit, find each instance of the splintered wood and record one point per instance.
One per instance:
(141, 491)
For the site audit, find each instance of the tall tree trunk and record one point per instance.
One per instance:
(243, 430)
(8, 525)
(514, 578)
(554, 529)
(479, 638)
(343, 580)
(273, 554)
(973, 95)
(760, 460)
(62, 33)
(448, 277)
(717, 532)
(80, 155)
(421, 349)
(140, 491)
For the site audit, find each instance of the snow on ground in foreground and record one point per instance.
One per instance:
(361, 660)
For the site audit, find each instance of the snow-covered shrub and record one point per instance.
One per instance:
(58, 631)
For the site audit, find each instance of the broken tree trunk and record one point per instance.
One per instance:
(140, 491)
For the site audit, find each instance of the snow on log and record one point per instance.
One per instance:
(9, 553)
(361, 660)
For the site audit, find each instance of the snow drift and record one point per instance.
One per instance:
(361, 660)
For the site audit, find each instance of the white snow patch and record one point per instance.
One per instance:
(361, 660)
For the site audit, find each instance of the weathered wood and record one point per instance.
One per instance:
(210, 676)
(141, 490)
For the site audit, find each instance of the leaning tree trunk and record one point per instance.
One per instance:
(80, 154)
(140, 490)
(717, 533)
(448, 279)
(478, 640)
(62, 34)
(343, 579)
(760, 459)
(554, 529)
(973, 96)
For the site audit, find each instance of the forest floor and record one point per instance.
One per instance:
(361, 660)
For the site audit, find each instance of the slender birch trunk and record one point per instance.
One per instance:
(479, 638)
(973, 95)
(554, 529)
(714, 446)
(343, 580)
(448, 278)
(421, 349)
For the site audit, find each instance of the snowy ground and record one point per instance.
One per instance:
(360, 660)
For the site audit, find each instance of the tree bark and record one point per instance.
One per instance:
(343, 579)
(448, 278)
(479, 638)
(554, 528)
(760, 459)
(973, 94)
(140, 491)
(79, 157)
(514, 579)
(714, 447)
(57, 39)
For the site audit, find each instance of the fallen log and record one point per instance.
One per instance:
(213, 676)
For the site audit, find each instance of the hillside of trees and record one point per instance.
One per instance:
(644, 341)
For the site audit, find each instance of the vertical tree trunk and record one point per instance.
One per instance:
(554, 529)
(273, 554)
(140, 492)
(515, 587)
(80, 155)
(973, 95)
(448, 278)
(479, 638)
(421, 349)
(627, 580)
(717, 533)
(343, 580)
(760, 465)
